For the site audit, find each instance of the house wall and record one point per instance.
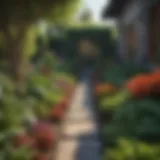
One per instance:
(135, 16)
(142, 28)
(155, 33)
(121, 40)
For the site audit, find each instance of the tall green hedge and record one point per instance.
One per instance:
(103, 37)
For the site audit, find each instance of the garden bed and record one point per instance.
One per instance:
(34, 112)
(127, 120)
(58, 130)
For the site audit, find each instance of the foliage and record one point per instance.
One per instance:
(86, 16)
(119, 73)
(99, 36)
(41, 88)
(130, 149)
(30, 46)
(138, 120)
(114, 101)
(18, 32)
(6, 84)
(11, 153)
(135, 118)
(22, 106)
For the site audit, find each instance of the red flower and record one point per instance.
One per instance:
(23, 139)
(140, 86)
(44, 135)
(57, 113)
(41, 156)
(64, 103)
(155, 76)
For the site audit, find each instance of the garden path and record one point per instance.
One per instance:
(80, 136)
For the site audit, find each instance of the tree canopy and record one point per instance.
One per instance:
(18, 16)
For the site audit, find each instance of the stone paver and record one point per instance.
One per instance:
(79, 115)
(67, 150)
(80, 138)
(88, 150)
(80, 129)
(74, 150)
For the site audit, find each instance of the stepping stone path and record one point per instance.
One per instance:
(80, 137)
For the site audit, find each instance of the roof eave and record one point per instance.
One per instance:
(114, 9)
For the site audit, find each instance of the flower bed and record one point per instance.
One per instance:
(31, 114)
(129, 115)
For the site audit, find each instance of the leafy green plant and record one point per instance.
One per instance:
(12, 109)
(115, 101)
(137, 119)
(11, 153)
(130, 149)
(36, 80)
(6, 85)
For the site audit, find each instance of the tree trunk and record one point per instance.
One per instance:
(15, 52)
